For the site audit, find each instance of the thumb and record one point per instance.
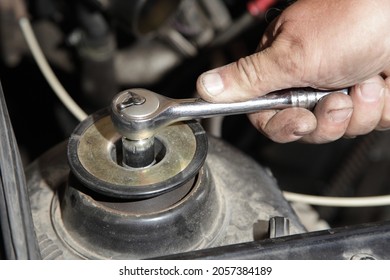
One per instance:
(252, 76)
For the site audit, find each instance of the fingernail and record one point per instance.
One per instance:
(301, 133)
(371, 92)
(302, 130)
(213, 83)
(340, 115)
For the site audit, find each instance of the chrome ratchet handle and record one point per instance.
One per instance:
(139, 113)
(196, 108)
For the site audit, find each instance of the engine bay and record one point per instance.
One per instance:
(214, 188)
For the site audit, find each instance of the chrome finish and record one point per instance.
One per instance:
(139, 153)
(132, 99)
(139, 122)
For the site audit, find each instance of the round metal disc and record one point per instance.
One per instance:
(92, 150)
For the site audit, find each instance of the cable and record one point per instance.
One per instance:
(331, 201)
(46, 70)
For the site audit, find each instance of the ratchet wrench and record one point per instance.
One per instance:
(138, 113)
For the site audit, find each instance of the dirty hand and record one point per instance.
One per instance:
(321, 44)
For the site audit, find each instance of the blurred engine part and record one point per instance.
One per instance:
(166, 36)
(12, 43)
(115, 43)
(173, 21)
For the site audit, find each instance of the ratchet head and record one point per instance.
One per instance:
(138, 113)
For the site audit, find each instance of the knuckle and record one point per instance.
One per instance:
(248, 69)
(283, 61)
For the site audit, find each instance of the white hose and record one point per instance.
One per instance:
(48, 73)
(368, 201)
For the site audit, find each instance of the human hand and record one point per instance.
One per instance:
(321, 44)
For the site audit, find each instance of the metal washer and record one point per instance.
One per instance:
(91, 156)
